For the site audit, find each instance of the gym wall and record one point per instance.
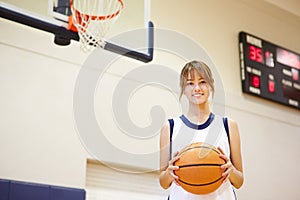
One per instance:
(38, 138)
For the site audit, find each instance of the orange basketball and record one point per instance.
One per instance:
(199, 168)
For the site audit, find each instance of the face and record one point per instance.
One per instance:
(196, 89)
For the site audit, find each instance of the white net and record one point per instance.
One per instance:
(93, 19)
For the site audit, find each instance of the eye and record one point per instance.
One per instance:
(190, 83)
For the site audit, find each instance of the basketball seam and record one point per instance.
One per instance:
(200, 147)
(200, 184)
(204, 164)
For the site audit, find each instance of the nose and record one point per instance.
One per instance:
(197, 87)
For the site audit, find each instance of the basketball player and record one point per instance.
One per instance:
(199, 124)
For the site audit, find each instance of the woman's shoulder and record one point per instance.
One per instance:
(168, 125)
(227, 118)
(232, 127)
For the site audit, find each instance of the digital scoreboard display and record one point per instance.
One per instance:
(269, 71)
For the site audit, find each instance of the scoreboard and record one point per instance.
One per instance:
(269, 71)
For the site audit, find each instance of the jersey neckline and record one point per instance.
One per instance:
(192, 125)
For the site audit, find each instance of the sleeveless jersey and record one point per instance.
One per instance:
(215, 132)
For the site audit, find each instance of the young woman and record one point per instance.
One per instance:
(199, 124)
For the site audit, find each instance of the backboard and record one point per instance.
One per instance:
(53, 15)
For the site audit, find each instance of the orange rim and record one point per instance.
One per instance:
(71, 25)
(79, 15)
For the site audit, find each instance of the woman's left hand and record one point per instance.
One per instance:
(227, 167)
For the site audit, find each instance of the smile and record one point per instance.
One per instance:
(198, 95)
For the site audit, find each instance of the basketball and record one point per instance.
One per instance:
(199, 168)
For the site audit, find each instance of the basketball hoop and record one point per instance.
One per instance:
(92, 20)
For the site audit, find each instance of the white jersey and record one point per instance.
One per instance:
(214, 132)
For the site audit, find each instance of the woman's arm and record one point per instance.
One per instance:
(166, 176)
(236, 176)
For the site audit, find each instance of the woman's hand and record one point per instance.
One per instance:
(167, 175)
(227, 167)
(171, 167)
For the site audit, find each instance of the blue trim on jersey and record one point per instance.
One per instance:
(171, 121)
(198, 126)
(225, 122)
(235, 197)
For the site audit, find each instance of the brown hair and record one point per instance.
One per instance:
(202, 69)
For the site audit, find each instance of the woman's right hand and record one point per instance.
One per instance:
(171, 167)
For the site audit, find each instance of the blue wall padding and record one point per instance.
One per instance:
(18, 190)
(4, 189)
(22, 191)
(62, 193)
